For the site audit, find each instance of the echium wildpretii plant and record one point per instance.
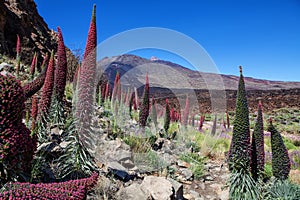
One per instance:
(201, 121)
(116, 95)
(117, 88)
(167, 117)
(33, 65)
(86, 89)
(61, 68)
(85, 101)
(154, 112)
(18, 57)
(74, 189)
(144, 112)
(16, 145)
(35, 85)
(281, 164)
(76, 160)
(47, 90)
(34, 111)
(214, 126)
(60, 77)
(240, 148)
(227, 120)
(258, 152)
(186, 113)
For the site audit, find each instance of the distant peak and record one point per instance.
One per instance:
(153, 58)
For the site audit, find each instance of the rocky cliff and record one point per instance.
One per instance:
(21, 17)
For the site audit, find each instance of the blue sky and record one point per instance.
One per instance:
(263, 36)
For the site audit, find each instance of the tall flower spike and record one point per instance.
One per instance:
(34, 111)
(33, 65)
(167, 117)
(61, 68)
(228, 120)
(87, 75)
(18, 47)
(86, 87)
(281, 164)
(258, 152)
(144, 112)
(240, 147)
(186, 113)
(154, 112)
(34, 86)
(47, 91)
(18, 57)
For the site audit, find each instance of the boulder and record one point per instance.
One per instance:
(159, 188)
(132, 192)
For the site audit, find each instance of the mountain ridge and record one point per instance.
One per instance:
(125, 63)
(173, 81)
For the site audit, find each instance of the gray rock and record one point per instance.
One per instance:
(194, 194)
(116, 166)
(114, 150)
(187, 174)
(158, 188)
(128, 164)
(208, 177)
(7, 67)
(132, 192)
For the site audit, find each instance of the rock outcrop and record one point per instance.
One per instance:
(21, 17)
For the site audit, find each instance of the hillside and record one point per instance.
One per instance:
(21, 17)
(168, 79)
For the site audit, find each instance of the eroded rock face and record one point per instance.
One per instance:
(21, 17)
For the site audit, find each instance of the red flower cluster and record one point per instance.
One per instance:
(18, 46)
(167, 116)
(73, 189)
(175, 116)
(16, 145)
(61, 67)
(186, 113)
(45, 102)
(33, 65)
(18, 57)
(144, 112)
(11, 102)
(202, 119)
(116, 93)
(34, 86)
(87, 74)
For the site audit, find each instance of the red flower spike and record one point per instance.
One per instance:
(61, 68)
(33, 64)
(47, 91)
(87, 75)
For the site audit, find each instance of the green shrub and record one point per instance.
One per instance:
(196, 161)
(243, 186)
(281, 190)
(268, 171)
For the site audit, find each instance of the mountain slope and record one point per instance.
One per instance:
(170, 80)
(21, 17)
(165, 73)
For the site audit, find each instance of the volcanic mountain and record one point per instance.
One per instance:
(173, 81)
